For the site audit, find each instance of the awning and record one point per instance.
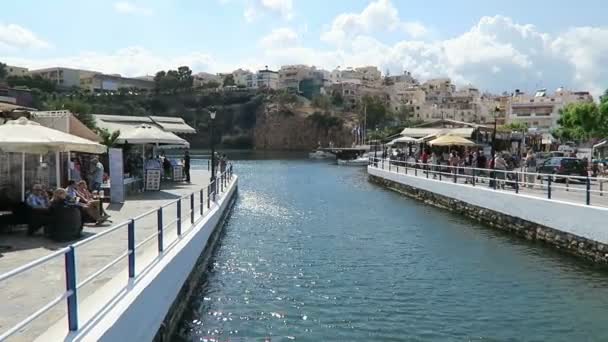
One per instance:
(149, 134)
(402, 140)
(173, 124)
(7, 107)
(416, 132)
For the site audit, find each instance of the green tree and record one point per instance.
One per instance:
(3, 71)
(35, 82)
(184, 76)
(336, 98)
(108, 138)
(582, 121)
(515, 126)
(376, 110)
(229, 80)
(211, 85)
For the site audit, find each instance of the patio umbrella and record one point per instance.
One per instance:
(25, 136)
(451, 140)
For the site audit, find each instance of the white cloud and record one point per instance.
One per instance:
(131, 61)
(281, 37)
(379, 15)
(256, 8)
(126, 7)
(14, 37)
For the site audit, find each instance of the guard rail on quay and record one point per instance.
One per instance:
(573, 189)
(206, 197)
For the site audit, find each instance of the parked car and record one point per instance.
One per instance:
(541, 157)
(562, 166)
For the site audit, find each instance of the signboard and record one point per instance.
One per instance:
(178, 173)
(117, 188)
(152, 179)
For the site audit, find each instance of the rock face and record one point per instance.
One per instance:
(581, 247)
(292, 129)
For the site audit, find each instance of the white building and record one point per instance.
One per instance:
(541, 110)
(240, 77)
(16, 71)
(63, 77)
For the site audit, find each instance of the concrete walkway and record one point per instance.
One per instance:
(572, 193)
(24, 294)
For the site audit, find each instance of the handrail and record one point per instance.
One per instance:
(70, 270)
(33, 264)
(516, 178)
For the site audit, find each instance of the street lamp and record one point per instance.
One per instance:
(493, 153)
(212, 116)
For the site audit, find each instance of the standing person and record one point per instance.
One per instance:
(434, 163)
(500, 166)
(481, 164)
(187, 166)
(454, 161)
(530, 169)
(96, 174)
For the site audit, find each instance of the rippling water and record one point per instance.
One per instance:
(313, 252)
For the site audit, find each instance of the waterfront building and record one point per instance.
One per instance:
(541, 111)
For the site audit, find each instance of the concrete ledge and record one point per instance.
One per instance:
(134, 310)
(578, 229)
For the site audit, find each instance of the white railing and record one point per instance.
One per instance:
(215, 188)
(534, 183)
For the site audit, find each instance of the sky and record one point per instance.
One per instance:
(494, 45)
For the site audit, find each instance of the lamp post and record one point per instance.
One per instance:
(211, 127)
(493, 152)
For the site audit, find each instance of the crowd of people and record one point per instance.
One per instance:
(44, 206)
(471, 162)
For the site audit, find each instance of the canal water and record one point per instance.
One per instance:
(313, 252)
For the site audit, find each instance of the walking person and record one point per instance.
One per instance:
(481, 164)
(530, 169)
(96, 175)
(187, 166)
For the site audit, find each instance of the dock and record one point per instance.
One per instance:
(25, 293)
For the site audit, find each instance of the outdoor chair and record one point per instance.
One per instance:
(65, 223)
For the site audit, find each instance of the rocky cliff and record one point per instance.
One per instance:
(299, 127)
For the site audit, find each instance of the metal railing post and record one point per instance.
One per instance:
(70, 285)
(516, 182)
(601, 187)
(214, 189)
(455, 171)
(415, 170)
(179, 217)
(131, 247)
(202, 200)
(474, 175)
(208, 197)
(382, 163)
(192, 208)
(159, 219)
(549, 179)
(494, 178)
(567, 183)
(588, 190)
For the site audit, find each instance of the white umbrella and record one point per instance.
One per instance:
(148, 134)
(25, 136)
(402, 140)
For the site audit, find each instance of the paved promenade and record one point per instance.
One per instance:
(29, 291)
(572, 193)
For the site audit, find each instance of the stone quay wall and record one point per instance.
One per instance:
(583, 247)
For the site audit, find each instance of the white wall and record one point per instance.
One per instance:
(582, 220)
(136, 313)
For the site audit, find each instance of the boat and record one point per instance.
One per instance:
(319, 154)
(359, 161)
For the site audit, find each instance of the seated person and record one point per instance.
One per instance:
(66, 220)
(38, 202)
(93, 205)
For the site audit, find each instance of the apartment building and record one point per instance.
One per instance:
(16, 71)
(267, 79)
(98, 82)
(63, 77)
(240, 77)
(541, 111)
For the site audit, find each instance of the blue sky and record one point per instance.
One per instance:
(496, 45)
